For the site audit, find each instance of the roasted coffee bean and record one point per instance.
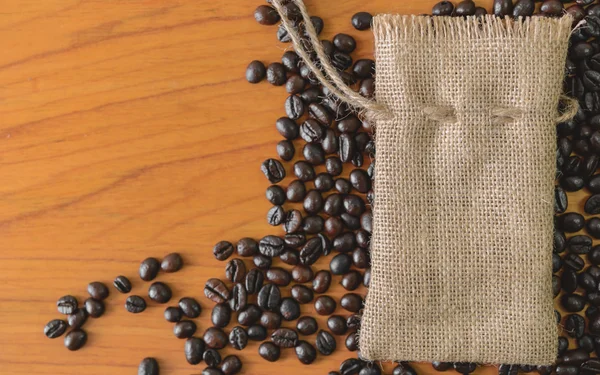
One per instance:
(271, 246)
(351, 342)
(235, 271)
(97, 290)
(305, 352)
(360, 180)
(367, 277)
(574, 261)
(311, 95)
(194, 350)
(311, 251)
(313, 202)
(295, 85)
(560, 200)
(184, 329)
(593, 227)
(276, 74)
(345, 242)
(594, 183)
(362, 20)
(313, 224)
(575, 357)
(311, 131)
(337, 324)
(223, 250)
(325, 305)
(77, 319)
(215, 338)
(67, 304)
(594, 255)
(351, 280)
(296, 191)
(580, 244)
(464, 367)
(351, 302)
(270, 320)
(334, 205)
(330, 143)
(211, 357)
(290, 256)
(358, 159)
(149, 269)
(586, 342)
(443, 8)
(257, 333)
(220, 315)
(289, 309)
(279, 276)
(256, 71)
(552, 7)
(364, 68)
(302, 274)
(238, 338)
(287, 128)
(341, 60)
(274, 194)
(304, 171)
(269, 297)
(324, 182)
(216, 291)
(351, 366)
(573, 302)
(75, 339)
(173, 314)
(350, 222)
(556, 263)
(122, 284)
(571, 222)
(591, 80)
(273, 170)
(247, 247)
(594, 271)
(563, 345)
(333, 226)
(320, 113)
(254, 281)
(591, 366)
(354, 205)
(249, 315)
(159, 292)
(592, 205)
(294, 107)
(523, 8)
(302, 294)
(575, 325)
(239, 297)
(285, 150)
(465, 8)
(502, 8)
(148, 366)
(307, 325)
(343, 186)
(334, 167)
(231, 365)
(568, 280)
(566, 370)
(262, 262)
(55, 328)
(560, 242)
(94, 308)
(353, 321)
(360, 258)
(350, 124)
(172, 262)
(269, 351)
(322, 281)
(347, 147)
(135, 304)
(340, 264)
(325, 343)
(344, 43)
(285, 338)
(266, 15)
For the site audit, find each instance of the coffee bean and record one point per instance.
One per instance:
(351, 342)
(351, 302)
(75, 339)
(334, 167)
(313, 202)
(239, 297)
(294, 107)
(593, 227)
(591, 366)
(135, 304)
(334, 204)
(173, 314)
(325, 343)
(586, 342)
(296, 191)
(94, 308)
(172, 263)
(279, 276)
(552, 7)
(249, 315)
(337, 324)
(302, 294)
(360, 180)
(55, 328)
(354, 205)
(235, 270)
(276, 74)
(350, 366)
(273, 170)
(307, 325)
(270, 320)
(190, 307)
(159, 292)
(575, 325)
(367, 277)
(285, 338)
(465, 8)
(148, 366)
(220, 315)
(362, 20)
(231, 365)
(262, 262)
(216, 291)
(502, 8)
(573, 302)
(443, 8)
(344, 43)
(238, 338)
(325, 305)
(97, 290)
(594, 255)
(560, 200)
(569, 280)
(184, 329)
(322, 281)
(149, 269)
(223, 250)
(324, 182)
(269, 351)
(349, 124)
(66, 305)
(247, 247)
(347, 147)
(345, 242)
(77, 319)
(290, 61)
(341, 60)
(311, 131)
(271, 246)
(287, 128)
(289, 309)
(311, 251)
(302, 274)
(351, 280)
(333, 226)
(211, 357)
(523, 8)
(122, 284)
(566, 370)
(340, 264)
(285, 150)
(194, 350)
(257, 333)
(560, 242)
(330, 142)
(256, 71)
(574, 261)
(571, 222)
(215, 338)
(269, 297)
(295, 85)
(254, 281)
(313, 153)
(575, 357)
(320, 113)
(581, 244)
(305, 352)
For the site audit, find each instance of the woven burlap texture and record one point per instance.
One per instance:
(463, 216)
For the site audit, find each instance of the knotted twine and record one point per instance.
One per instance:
(461, 248)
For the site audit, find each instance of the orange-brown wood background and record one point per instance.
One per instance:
(128, 130)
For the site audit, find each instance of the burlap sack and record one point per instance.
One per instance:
(463, 215)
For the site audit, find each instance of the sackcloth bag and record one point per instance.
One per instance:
(465, 117)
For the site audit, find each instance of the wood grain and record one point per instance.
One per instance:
(127, 130)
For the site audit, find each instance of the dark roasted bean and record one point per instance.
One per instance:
(313, 153)
(94, 308)
(194, 350)
(351, 342)
(290, 256)
(334, 167)
(586, 342)
(573, 302)
(235, 270)
(311, 131)
(350, 366)
(266, 15)
(211, 357)
(184, 329)
(271, 246)
(305, 352)
(257, 333)
(302, 274)
(302, 294)
(223, 250)
(262, 262)
(77, 319)
(340, 264)
(273, 170)
(289, 309)
(122, 284)
(149, 269)
(269, 297)
(560, 200)
(254, 281)
(55, 328)
(97, 290)
(148, 366)
(216, 291)
(311, 251)
(351, 302)
(568, 280)
(334, 205)
(571, 222)
(276, 74)
(294, 107)
(279, 276)
(575, 357)
(270, 320)
(367, 277)
(173, 314)
(593, 227)
(325, 305)
(322, 281)
(249, 315)
(556, 263)
(337, 324)
(363, 68)
(247, 247)
(330, 143)
(325, 343)
(360, 181)
(159, 292)
(351, 280)
(502, 8)
(307, 325)
(345, 242)
(552, 7)
(287, 128)
(269, 351)
(362, 20)
(324, 182)
(463, 367)
(320, 113)
(75, 339)
(333, 226)
(560, 242)
(581, 244)
(285, 150)
(215, 338)
(295, 85)
(221, 315)
(566, 370)
(66, 305)
(347, 147)
(523, 8)
(256, 71)
(296, 191)
(135, 304)
(574, 261)
(285, 338)
(343, 186)
(172, 262)
(239, 297)
(443, 8)
(238, 338)
(304, 171)
(231, 365)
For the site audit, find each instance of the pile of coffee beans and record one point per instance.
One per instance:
(325, 212)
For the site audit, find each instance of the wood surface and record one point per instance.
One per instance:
(127, 130)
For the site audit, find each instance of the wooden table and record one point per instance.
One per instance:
(128, 130)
